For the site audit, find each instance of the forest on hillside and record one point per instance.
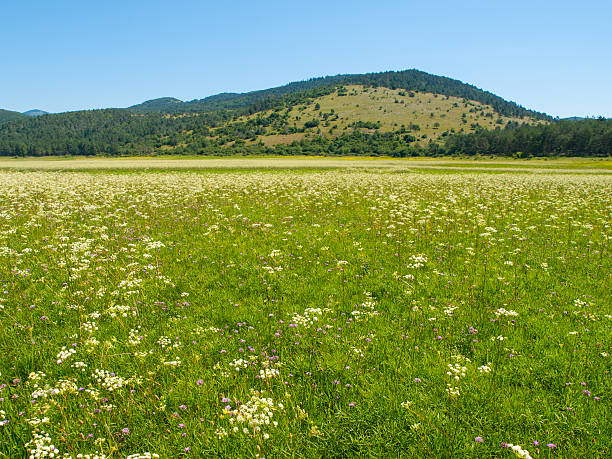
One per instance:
(235, 124)
(118, 132)
(410, 80)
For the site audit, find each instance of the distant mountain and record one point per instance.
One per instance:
(7, 115)
(35, 112)
(580, 118)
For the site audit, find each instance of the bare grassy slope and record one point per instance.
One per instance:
(423, 115)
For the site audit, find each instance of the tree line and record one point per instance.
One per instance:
(223, 132)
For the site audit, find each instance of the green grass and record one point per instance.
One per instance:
(294, 163)
(392, 109)
(425, 116)
(351, 289)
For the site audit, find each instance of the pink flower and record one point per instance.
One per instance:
(478, 439)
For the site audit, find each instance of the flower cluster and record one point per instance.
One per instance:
(64, 354)
(254, 415)
(367, 308)
(520, 452)
(309, 317)
(506, 313)
(41, 446)
(109, 381)
(416, 261)
(455, 372)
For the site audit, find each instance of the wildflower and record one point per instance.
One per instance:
(220, 432)
(478, 440)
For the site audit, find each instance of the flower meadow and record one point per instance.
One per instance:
(305, 313)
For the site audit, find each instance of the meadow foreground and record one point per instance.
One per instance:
(305, 313)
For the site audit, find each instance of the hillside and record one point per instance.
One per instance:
(8, 115)
(425, 116)
(345, 119)
(157, 105)
(409, 80)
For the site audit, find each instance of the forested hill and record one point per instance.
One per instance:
(393, 113)
(409, 80)
(8, 115)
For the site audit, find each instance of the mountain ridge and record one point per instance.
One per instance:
(410, 80)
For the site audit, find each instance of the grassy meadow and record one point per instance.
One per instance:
(426, 115)
(305, 308)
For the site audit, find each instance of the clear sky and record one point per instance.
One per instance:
(551, 56)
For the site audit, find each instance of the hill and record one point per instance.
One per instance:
(35, 112)
(425, 116)
(8, 115)
(378, 116)
(409, 80)
(157, 105)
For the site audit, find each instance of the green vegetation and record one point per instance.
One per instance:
(413, 80)
(425, 116)
(7, 115)
(587, 137)
(368, 312)
(393, 114)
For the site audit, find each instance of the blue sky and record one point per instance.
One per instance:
(552, 56)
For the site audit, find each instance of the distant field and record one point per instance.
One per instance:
(577, 165)
(305, 307)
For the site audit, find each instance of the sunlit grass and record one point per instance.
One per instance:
(369, 310)
(391, 108)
